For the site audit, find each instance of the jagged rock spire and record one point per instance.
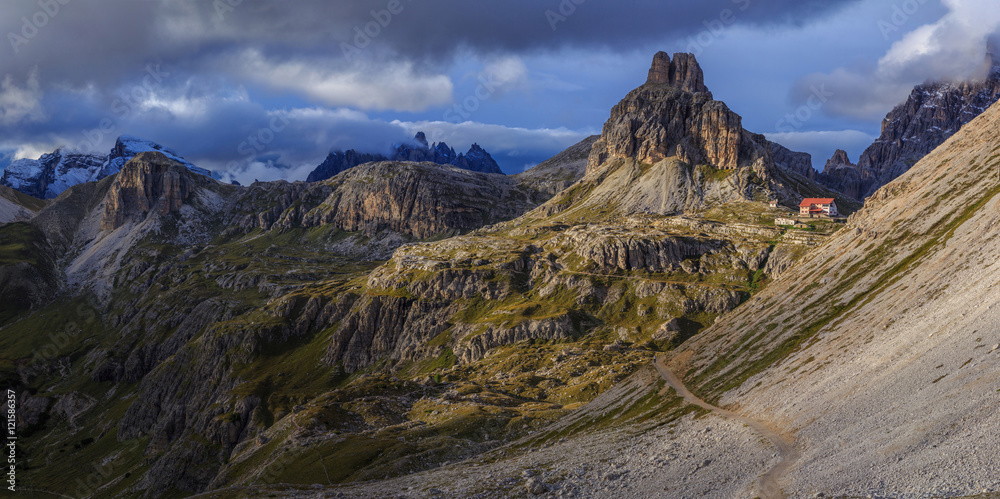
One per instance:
(838, 160)
(683, 72)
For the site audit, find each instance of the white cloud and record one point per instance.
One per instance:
(951, 49)
(31, 151)
(388, 86)
(512, 141)
(21, 103)
(507, 73)
(266, 172)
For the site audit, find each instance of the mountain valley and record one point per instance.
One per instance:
(423, 325)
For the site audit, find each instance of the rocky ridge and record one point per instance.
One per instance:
(796, 162)
(562, 170)
(51, 174)
(16, 206)
(842, 175)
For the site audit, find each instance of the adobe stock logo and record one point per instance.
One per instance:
(47, 10)
(487, 84)
(901, 14)
(365, 34)
(794, 121)
(566, 9)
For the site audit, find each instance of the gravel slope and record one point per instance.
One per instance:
(896, 394)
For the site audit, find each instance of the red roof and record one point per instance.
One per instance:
(807, 202)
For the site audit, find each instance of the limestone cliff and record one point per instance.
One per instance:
(150, 182)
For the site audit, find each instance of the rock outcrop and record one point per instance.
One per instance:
(682, 72)
(418, 199)
(669, 148)
(414, 200)
(560, 171)
(127, 147)
(149, 182)
(795, 162)
(660, 120)
(476, 159)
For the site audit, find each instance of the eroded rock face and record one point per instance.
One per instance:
(480, 343)
(657, 121)
(654, 254)
(420, 200)
(796, 162)
(149, 182)
(683, 72)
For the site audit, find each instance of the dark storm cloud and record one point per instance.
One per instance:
(101, 41)
(78, 73)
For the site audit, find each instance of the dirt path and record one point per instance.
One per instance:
(767, 487)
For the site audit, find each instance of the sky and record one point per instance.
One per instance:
(265, 89)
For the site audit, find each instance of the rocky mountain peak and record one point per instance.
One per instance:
(674, 115)
(683, 72)
(50, 174)
(670, 147)
(796, 162)
(149, 182)
(838, 160)
(128, 146)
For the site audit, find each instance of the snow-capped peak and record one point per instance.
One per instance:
(127, 146)
(52, 173)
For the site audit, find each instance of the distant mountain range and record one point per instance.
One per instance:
(51, 174)
(476, 159)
